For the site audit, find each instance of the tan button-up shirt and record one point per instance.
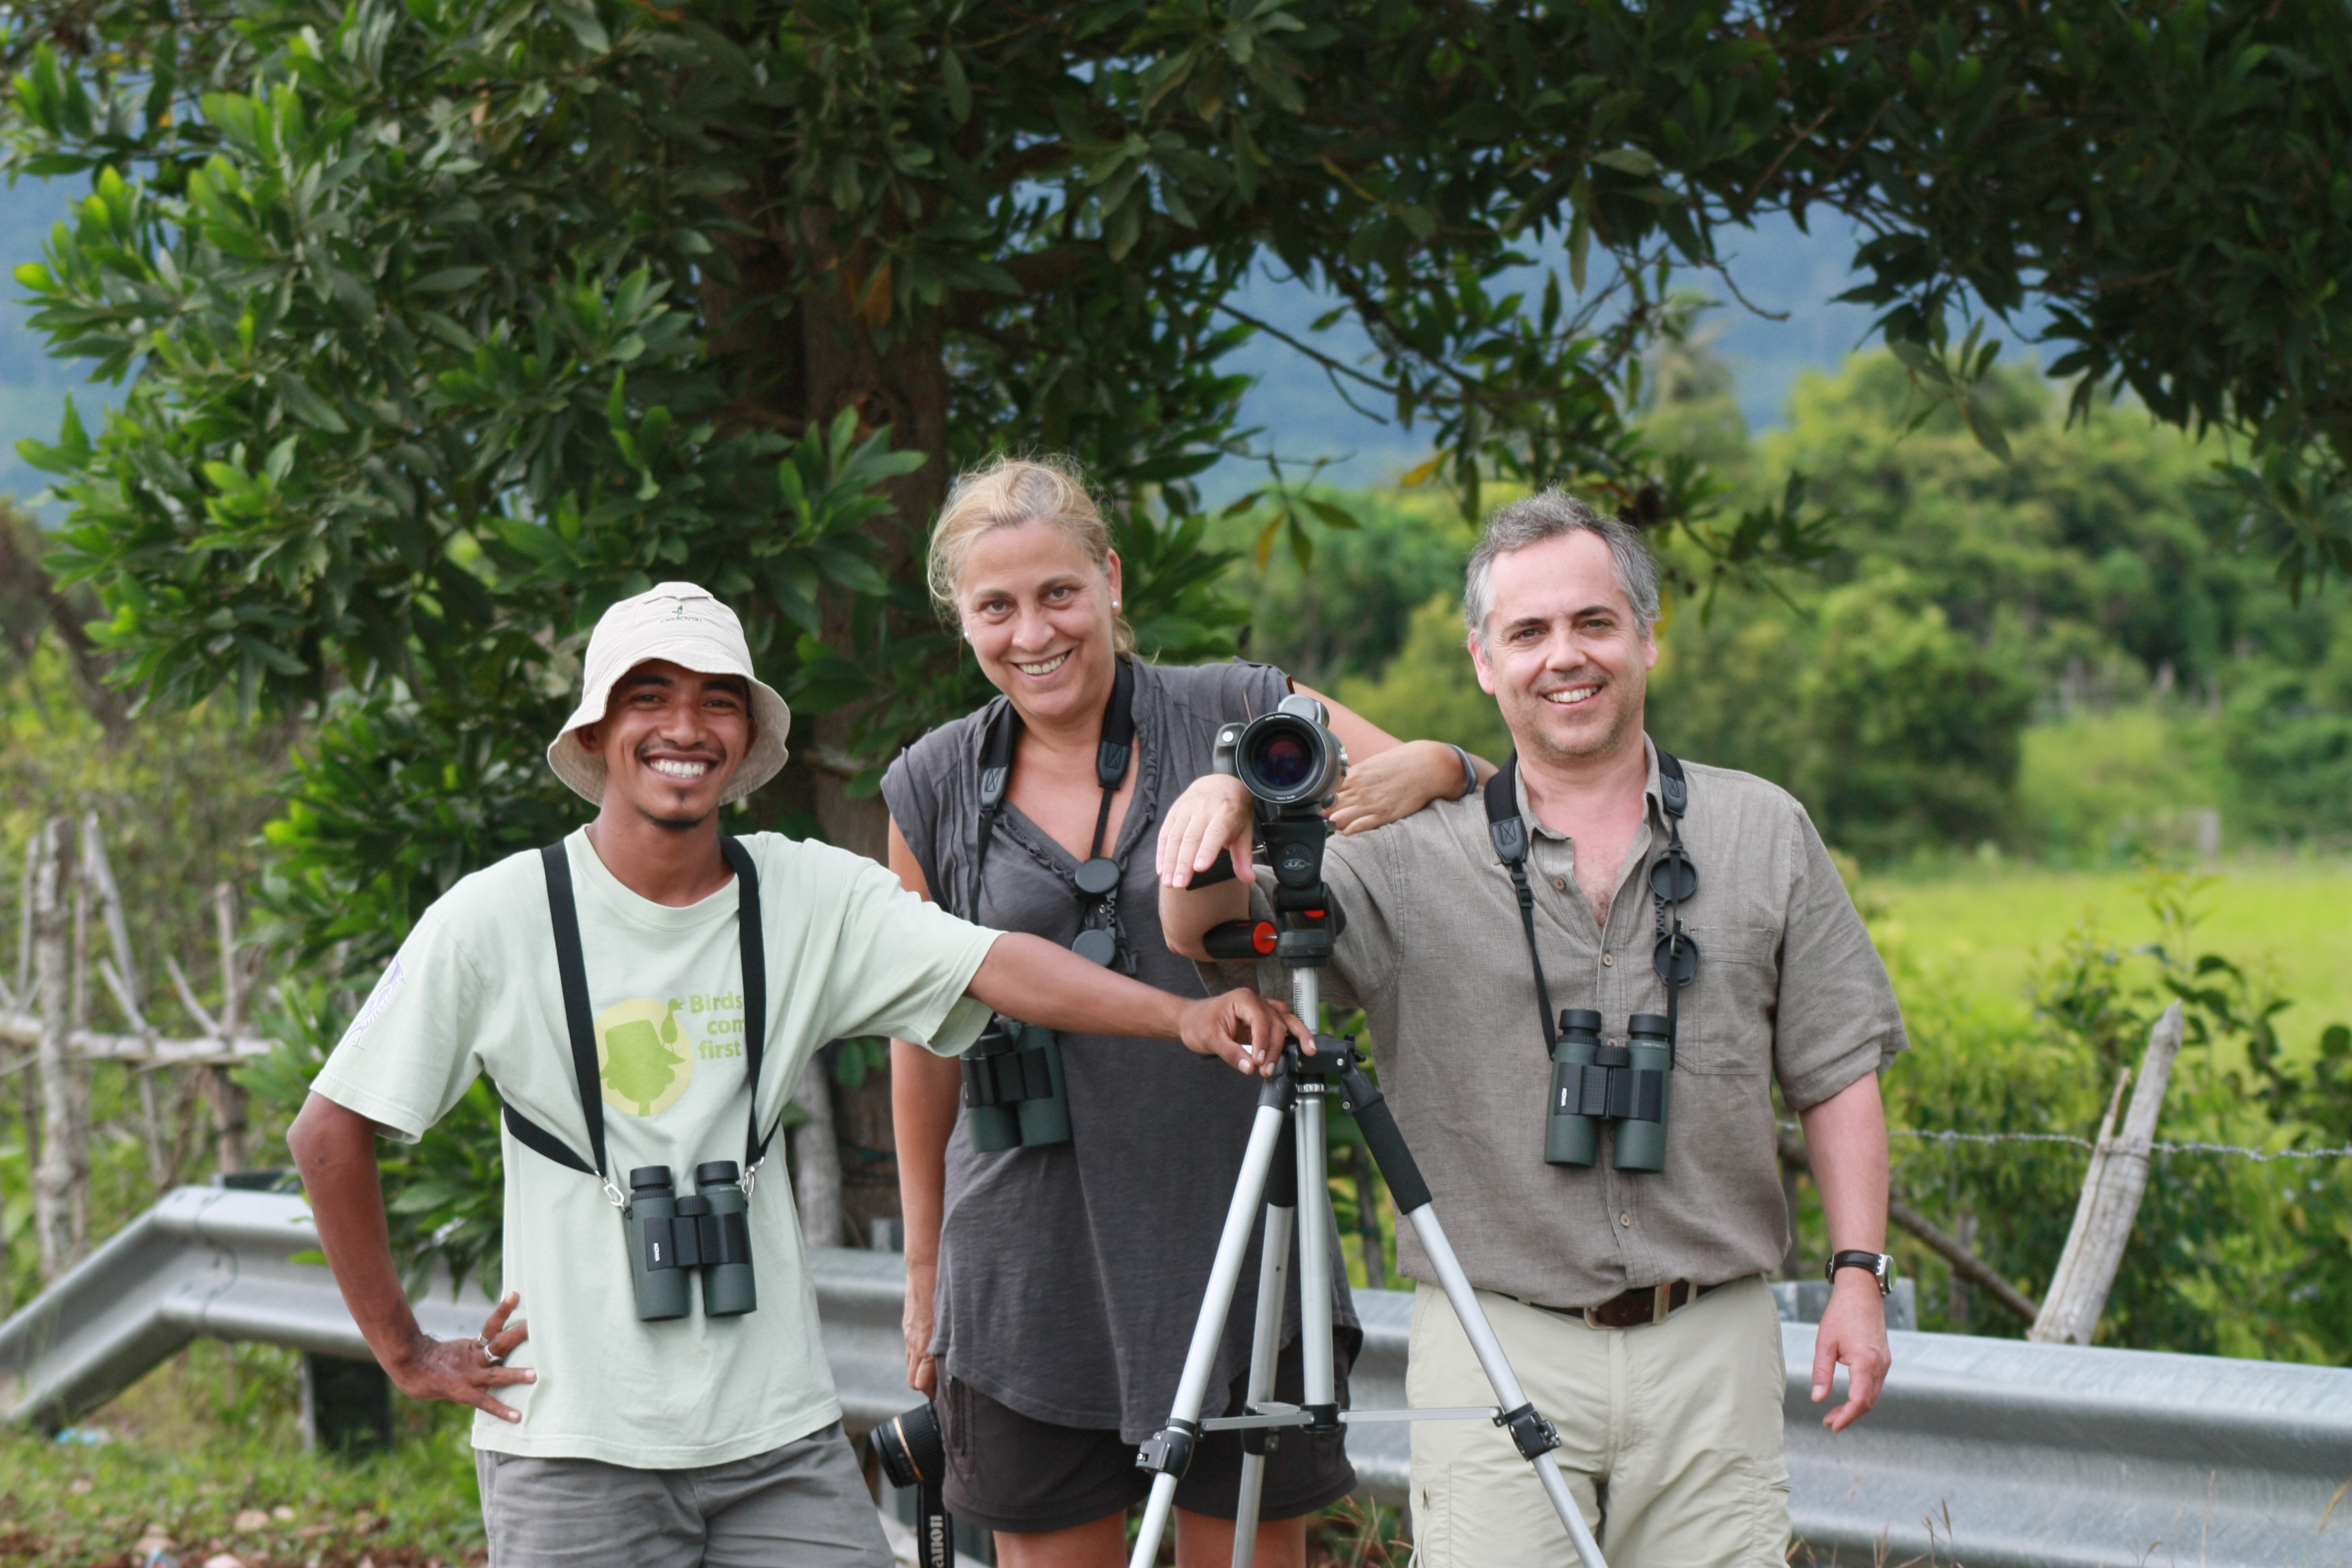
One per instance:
(1788, 988)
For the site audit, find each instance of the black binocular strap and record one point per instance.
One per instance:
(1509, 831)
(1113, 753)
(571, 972)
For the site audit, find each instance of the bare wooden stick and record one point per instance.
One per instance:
(99, 873)
(232, 973)
(61, 1180)
(25, 921)
(1963, 1260)
(22, 1029)
(2110, 1202)
(188, 996)
(227, 1096)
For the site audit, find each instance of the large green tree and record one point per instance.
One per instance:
(445, 322)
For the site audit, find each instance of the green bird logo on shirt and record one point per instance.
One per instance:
(638, 1058)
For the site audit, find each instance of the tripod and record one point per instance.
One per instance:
(1283, 1168)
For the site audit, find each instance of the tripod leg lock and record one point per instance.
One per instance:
(1261, 1439)
(1529, 1432)
(1169, 1451)
(1322, 1417)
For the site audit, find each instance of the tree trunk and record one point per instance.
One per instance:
(2112, 1189)
(61, 1180)
(817, 1157)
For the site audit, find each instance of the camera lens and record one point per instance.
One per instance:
(1285, 762)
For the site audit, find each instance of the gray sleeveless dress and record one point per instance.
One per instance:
(1070, 1276)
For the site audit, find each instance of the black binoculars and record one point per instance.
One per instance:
(1593, 1082)
(1014, 1092)
(913, 1455)
(670, 1235)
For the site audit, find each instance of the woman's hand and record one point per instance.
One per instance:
(922, 1288)
(1247, 1030)
(1393, 785)
(1215, 815)
(466, 1371)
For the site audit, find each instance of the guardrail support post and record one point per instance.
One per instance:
(346, 1404)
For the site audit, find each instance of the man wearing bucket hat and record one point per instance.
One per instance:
(643, 996)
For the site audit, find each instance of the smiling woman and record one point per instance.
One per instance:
(1040, 814)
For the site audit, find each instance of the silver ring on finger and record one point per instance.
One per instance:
(489, 1356)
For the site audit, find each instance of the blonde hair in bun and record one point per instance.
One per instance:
(1006, 492)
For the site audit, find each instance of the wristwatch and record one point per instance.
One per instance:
(1469, 774)
(1881, 1266)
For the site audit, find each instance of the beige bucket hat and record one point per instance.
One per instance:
(682, 622)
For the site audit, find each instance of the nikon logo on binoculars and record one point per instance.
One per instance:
(645, 1050)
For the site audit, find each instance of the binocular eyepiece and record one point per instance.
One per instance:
(1288, 758)
(1593, 1082)
(670, 1237)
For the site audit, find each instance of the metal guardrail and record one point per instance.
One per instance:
(2040, 1456)
(205, 1261)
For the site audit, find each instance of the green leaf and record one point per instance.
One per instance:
(1628, 160)
(308, 406)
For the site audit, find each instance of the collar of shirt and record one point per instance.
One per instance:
(1540, 836)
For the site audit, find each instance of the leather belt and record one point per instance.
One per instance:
(1643, 1304)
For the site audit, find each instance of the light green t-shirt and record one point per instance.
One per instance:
(474, 991)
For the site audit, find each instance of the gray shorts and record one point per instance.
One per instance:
(804, 1505)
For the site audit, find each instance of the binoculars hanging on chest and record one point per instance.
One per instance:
(1014, 1095)
(1594, 1082)
(672, 1239)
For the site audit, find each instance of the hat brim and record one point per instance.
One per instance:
(771, 721)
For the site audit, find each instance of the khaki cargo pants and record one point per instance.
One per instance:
(1670, 1437)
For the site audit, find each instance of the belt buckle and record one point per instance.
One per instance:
(1662, 1302)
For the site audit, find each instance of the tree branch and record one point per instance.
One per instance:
(1965, 1263)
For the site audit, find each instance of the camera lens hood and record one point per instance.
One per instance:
(1287, 760)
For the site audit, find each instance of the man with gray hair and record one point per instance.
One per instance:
(1607, 1172)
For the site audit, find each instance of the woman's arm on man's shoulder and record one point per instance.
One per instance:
(1389, 779)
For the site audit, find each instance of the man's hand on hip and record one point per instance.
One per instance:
(1852, 1332)
(466, 1371)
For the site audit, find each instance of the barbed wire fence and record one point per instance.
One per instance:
(1950, 1135)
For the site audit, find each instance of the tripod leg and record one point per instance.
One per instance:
(1171, 1450)
(1266, 1341)
(1529, 1432)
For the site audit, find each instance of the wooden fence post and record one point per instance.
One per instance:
(61, 1180)
(120, 974)
(2112, 1189)
(227, 1098)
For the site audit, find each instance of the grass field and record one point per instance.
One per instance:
(1991, 927)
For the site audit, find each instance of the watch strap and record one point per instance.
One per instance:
(1469, 774)
(1879, 1266)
